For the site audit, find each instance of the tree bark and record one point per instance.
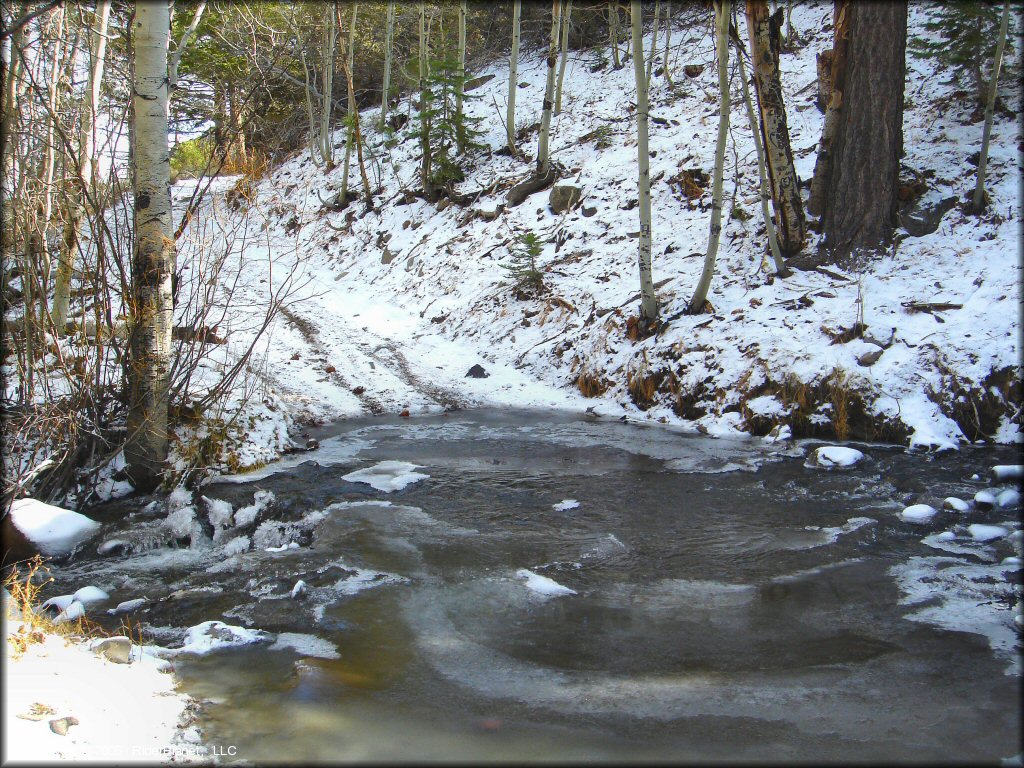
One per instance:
(978, 201)
(860, 196)
(613, 31)
(696, 305)
(513, 66)
(764, 30)
(389, 36)
(565, 55)
(648, 300)
(150, 303)
(543, 159)
(755, 129)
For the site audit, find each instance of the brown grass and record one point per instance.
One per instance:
(839, 393)
(590, 384)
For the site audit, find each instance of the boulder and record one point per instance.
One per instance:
(477, 372)
(114, 649)
(563, 197)
(923, 216)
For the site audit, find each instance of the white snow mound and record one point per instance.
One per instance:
(53, 530)
(565, 505)
(387, 476)
(918, 513)
(981, 532)
(836, 456)
(542, 585)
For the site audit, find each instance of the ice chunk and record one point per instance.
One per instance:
(128, 606)
(180, 497)
(260, 501)
(74, 611)
(236, 545)
(1011, 561)
(306, 645)
(836, 456)
(299, 589)
(985, 498)
(1008, 498)
(219, 512)
(90, 594)
(565, 505)
(918, 513)
(58, 603)
(981, 532)
(955, 504)
(542, 585)
(214, 635)
(54, 531)
(387, 476)
(1008, 471)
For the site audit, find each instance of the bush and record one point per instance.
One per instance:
(522, 265)
(190, 159)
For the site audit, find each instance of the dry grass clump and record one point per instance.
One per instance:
(590, 384)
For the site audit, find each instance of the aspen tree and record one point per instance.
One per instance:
(978, 200)
(543, 158)
(425, 169)
(648, 301)
(513, 66)
(654, 42)
(389, 36)
(668, 41)
(85, 162)
(700, 295)
(565, 55)
(352, 113)
(613, 31)
(330, 43)
(150, 304)
(460, 83)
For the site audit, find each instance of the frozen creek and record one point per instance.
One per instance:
(703, 599)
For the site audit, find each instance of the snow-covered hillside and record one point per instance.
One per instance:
(402, 300)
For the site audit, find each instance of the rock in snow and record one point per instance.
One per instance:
(90, 594)
(73, 612)
(1008, 498)
(387, 476)
(836, 456)
(1008, 471)
(955, 504)
(214, 635)
(918, 513)
(985, 499)
(54, 531)
(542, 585)
(981, 532)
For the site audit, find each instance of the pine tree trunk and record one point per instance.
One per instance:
(648, 300)
(613, 31)
(460, 83)
(836, 65)
(543, 159)
(700, 295)
(978, 201)
(766, 216)
(513, 67)
(150, 304)
(765, 46)
(565, 55)
(389, 37)
(860, 196)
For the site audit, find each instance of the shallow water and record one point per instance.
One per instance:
(732, 603)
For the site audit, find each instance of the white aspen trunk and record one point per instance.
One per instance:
(186, 38)
(648, 301)
(425, 165)
(330, 43)
(668, 41)
(700, 295)
(613, 31)
(543, 159)
(9, 143)
(86, 186)
(654, 42)
(513, 67)
(389, 37)
(351, 111)
(755, 128)
(978, 201)
(357, 134)
(150, 304)
(49, 164)
(460, 136)
(565, 55)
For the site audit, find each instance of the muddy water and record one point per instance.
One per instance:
(731, 602)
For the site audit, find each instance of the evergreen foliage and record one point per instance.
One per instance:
(443, 124)
(964, 39)
(522, 264)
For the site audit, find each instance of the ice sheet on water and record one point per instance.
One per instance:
(565, 505)
(333, 450)
(832, 534)
(387, 476)
(212, 636)
(306, 645)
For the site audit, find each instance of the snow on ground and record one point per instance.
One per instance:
(391, 307)
(54, 531)
(125, 713)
